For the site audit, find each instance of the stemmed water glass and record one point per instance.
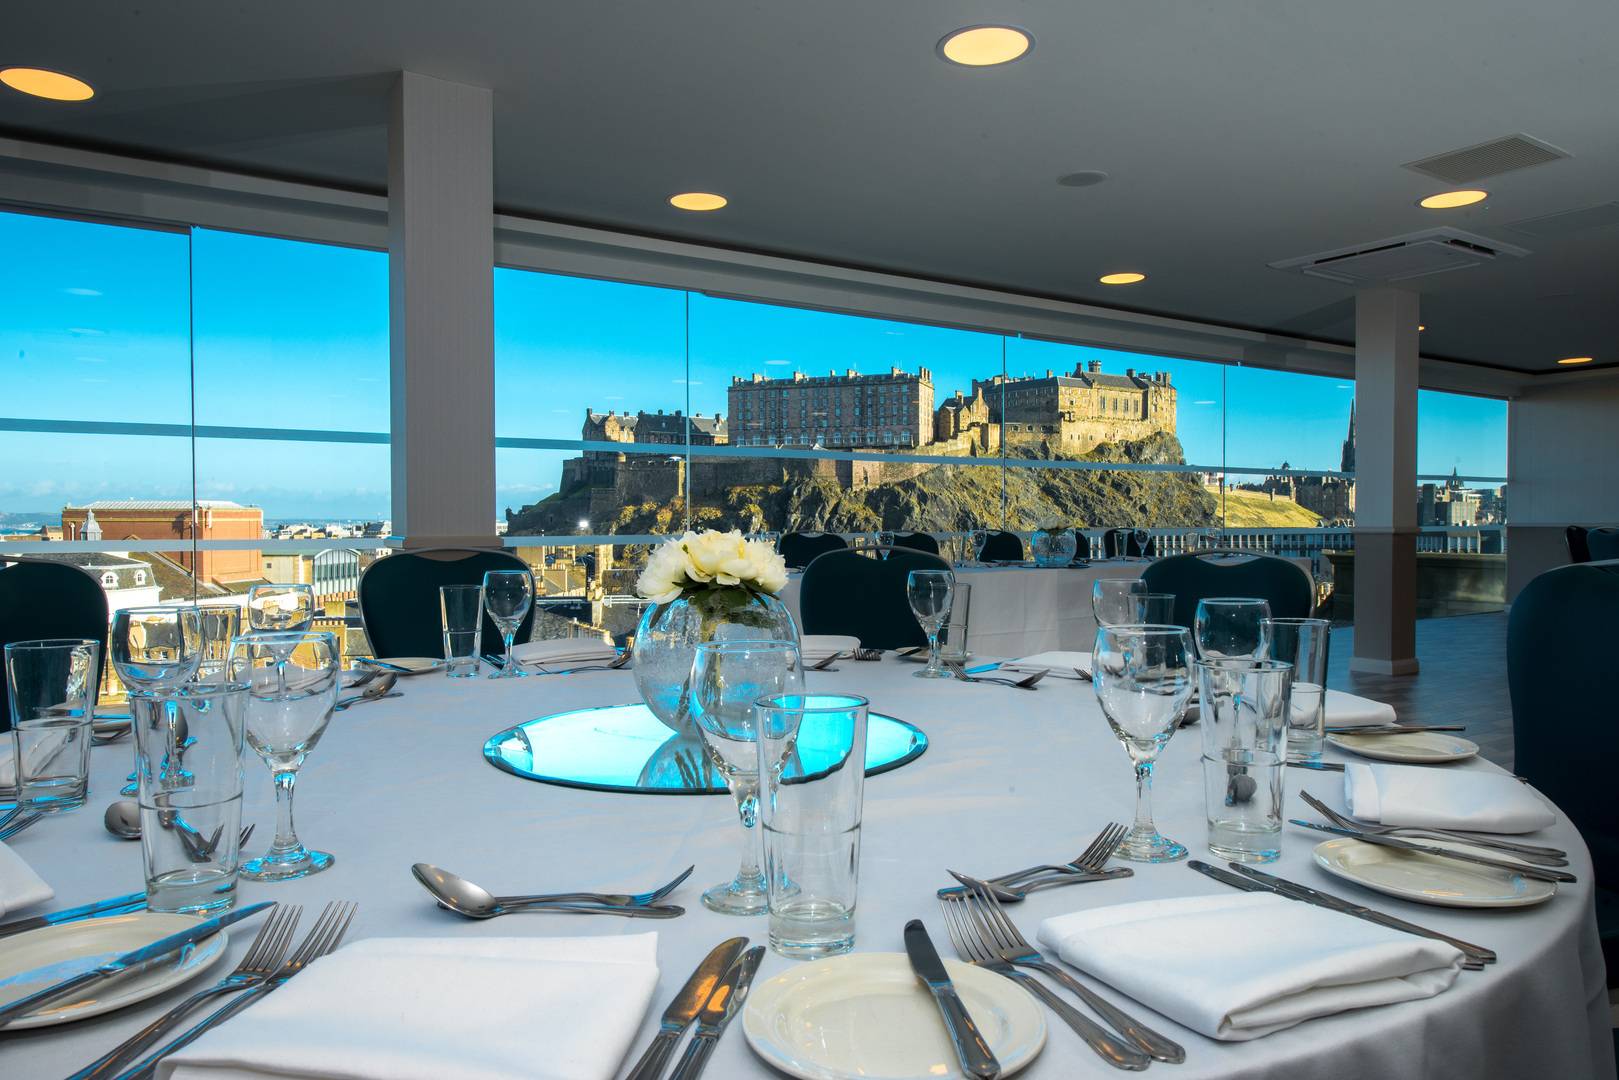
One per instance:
(727, 678)
(155, 649)
(1231, 628)
(292, 680)
(280, 607)
(1142, 676)
(507, 596)
(929, 593)
(1126, 601)
(980, 538)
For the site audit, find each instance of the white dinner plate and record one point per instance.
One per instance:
(414, 665)
(60, 952)
(865, 1015)
(1429, 879)
(1420, 747)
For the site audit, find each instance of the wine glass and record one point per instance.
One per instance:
(1117, 601)
(156, 647)
(291, 678)
(929, 594)
(1142, 676)
(507, 596)
(1231, 628)
(980, 538)
(280, 607)
(727, 678)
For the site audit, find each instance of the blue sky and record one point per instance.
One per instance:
(95, 322)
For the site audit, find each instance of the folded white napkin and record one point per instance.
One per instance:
(1239, 966)
(1062, 662)
(813, 648)
(20, 887)
(1348, 710)
(430, 1008)
(565, 651)
(1443, 799)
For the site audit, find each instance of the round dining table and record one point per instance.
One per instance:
(1010, 778)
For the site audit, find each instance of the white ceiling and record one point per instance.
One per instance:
(1235, 133)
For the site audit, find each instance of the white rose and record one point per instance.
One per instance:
(665, 573)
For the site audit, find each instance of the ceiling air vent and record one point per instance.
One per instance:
(1433, 251)
(1569, 222)
(1497, 156)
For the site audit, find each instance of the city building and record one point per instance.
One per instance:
(158, 519)
(1447, 504)
(850, 411)
(1077, 412)
(1332, 497)
(658, 427)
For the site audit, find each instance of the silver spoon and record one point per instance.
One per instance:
(475, 902)
(123, 820)
(375, 690)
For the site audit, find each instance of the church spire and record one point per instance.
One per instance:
(1349, 442)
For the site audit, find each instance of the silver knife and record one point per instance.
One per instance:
(1318, 766)
(1393, 729)
(684, 1008)
(1511, 866)
(723, 1004)
(1477, 954)
(977, 1060)
(143, 955)
(117, 905)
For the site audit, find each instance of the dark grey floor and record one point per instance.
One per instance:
(1463, 679)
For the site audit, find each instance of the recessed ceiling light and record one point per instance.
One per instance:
(1129, 278)
(697, 200)
(1449, 200)
(1084, 178)
(1420, 328)
(47, 84)
(985, 46)
(1575, 360)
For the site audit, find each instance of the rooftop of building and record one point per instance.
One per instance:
(672, 421)
(88, 560)
(799, 378)
(159, 504)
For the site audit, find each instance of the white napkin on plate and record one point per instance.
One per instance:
(813, 648)
(1239, 966)
(1348, 710)
(1443, 799)
(1063, 663)
(565, 651)
(20, 887)
(430, 1008)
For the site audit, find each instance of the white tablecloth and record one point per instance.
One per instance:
(1010, 778)
(1021, 610)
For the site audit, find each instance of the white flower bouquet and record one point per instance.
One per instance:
(712, 562)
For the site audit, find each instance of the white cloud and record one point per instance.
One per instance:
(778, 363)
(1205, 403)
(85, 331)
(80, 291)
(91, 359)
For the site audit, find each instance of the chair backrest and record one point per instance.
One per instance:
(1601, 544)
(399, 598)
(1003, 547)
(1563, 684)
(851, 592)
(1578, 550)
(1195, 576)
(43, 598)
(799, 549)
(1082, 546)
(916, 541)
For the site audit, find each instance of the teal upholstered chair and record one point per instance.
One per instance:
(399, 598)
(1602, 544)
(917, 541)
(1285, 585)
(850, 592)
(1565, 735)
(1002, 546)
(799, 549)
(47, 598)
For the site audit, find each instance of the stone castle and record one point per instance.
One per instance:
(1333, 497)
(1066, 415)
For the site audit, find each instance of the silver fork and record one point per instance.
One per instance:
(261, 961)
(1025, 683)
(21, 822)
(1091, 865)
(964, 935)
(1004, 939)
(1533, 853)
(326, 935)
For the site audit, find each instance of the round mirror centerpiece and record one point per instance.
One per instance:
(707, 586)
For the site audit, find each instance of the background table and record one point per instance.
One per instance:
(1022, 610)
(1011, 778)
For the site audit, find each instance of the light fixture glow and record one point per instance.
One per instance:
(1568, 360)
(1449, 200)
(697, 200)
(1129, 278)
(985, 46)
(1420, 328)
(52, 85)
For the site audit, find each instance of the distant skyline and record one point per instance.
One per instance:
(95, 325)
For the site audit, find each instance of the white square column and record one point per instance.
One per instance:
(1385, 482)
(441, 319)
